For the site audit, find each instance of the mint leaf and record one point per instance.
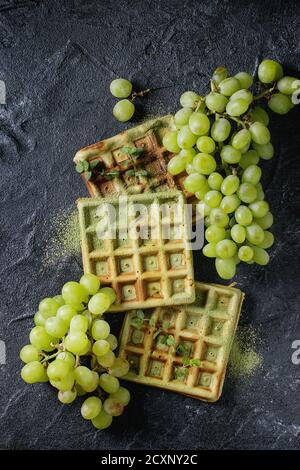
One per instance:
(136, 151)
(170, 340)
(130, 173)
(136, 322)
(195, 362)
(142, 173)
(152, 322)
(94, 164)
(88, 175)
(140, 314)
(185, 361)
(85, 165)
(166, 325)
(79, 167)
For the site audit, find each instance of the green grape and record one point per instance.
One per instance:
(38, 319)
(119, 368)
(268, 240)
(287, 85)
(79, 323)
(176, 165)
(170, 141)
(204, 163)
(34, 372)
(112, 341)
(206, 144)
(122, 394)
(91, 283)
(220, 130)
(189, 99)
(243, 215)
(242, 94)
(245, 79)
(269, 71)
(74, 294)
(215, 181)
(280, 103)
(213, 198)
(260, 115)
(220, 74)
(190, 169)
(48, 307)
(237, 107)
(265, 222)
(245, 148)
(229, 86)
(59, 299)
(110, 293)
(66, 383)
(214, 234)
(216, 102)
(260, 192)
(107, 360)
(218, 218)
(67, 397)
(102, 421)
(100, 329)
(260, 256)
(91, 408)
(120, 88)
(29, 353)
(123, 110)
(230, 185)
(238, 233)
(182, 116)
(226, 249)
(259, 208)
(249, 158)
(255, 234)
(203, 209)
(67, 357)
(101, 347)
(186, 138)
(207, 221)
(99, 303)
(58, 370)
(199, 124)
(252, 174)
(109, 383)
(230, 203)
(66, 313)
(245, 253)
(113, 407)
(260, 133)
(202, 191)
(247, 192)
(194, 182)
(266, 151)
(93, 384)
(41, 339)
(56, 327)
(80, 391)
(241, 139)
(83, 376)
(226, 268)
(187, 154)
(77, 342)
(236, 259)
(209, 250)
(230, 154)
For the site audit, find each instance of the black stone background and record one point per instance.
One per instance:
(57, 59)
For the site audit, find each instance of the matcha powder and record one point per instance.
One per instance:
(244, 360)
(65, 238)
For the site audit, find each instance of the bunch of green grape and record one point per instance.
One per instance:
(68, 330)
(219, 141)
(124, 109)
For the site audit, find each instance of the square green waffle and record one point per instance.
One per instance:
(150, 168)
(144, 272)
(184, 349)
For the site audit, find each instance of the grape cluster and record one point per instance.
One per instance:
(69, 330)
(124, 109)
(219, 140)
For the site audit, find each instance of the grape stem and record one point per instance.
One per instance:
(265, 93)
(77, 361)
(46, 358)
(139, 94)
(240, 122)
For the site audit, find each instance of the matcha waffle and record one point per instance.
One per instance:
(184, 349)
(142, 250)
(131, 162)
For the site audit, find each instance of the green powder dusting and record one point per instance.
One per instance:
(244, 360)
(65, 238)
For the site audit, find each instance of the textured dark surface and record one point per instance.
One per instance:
(57, 60)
